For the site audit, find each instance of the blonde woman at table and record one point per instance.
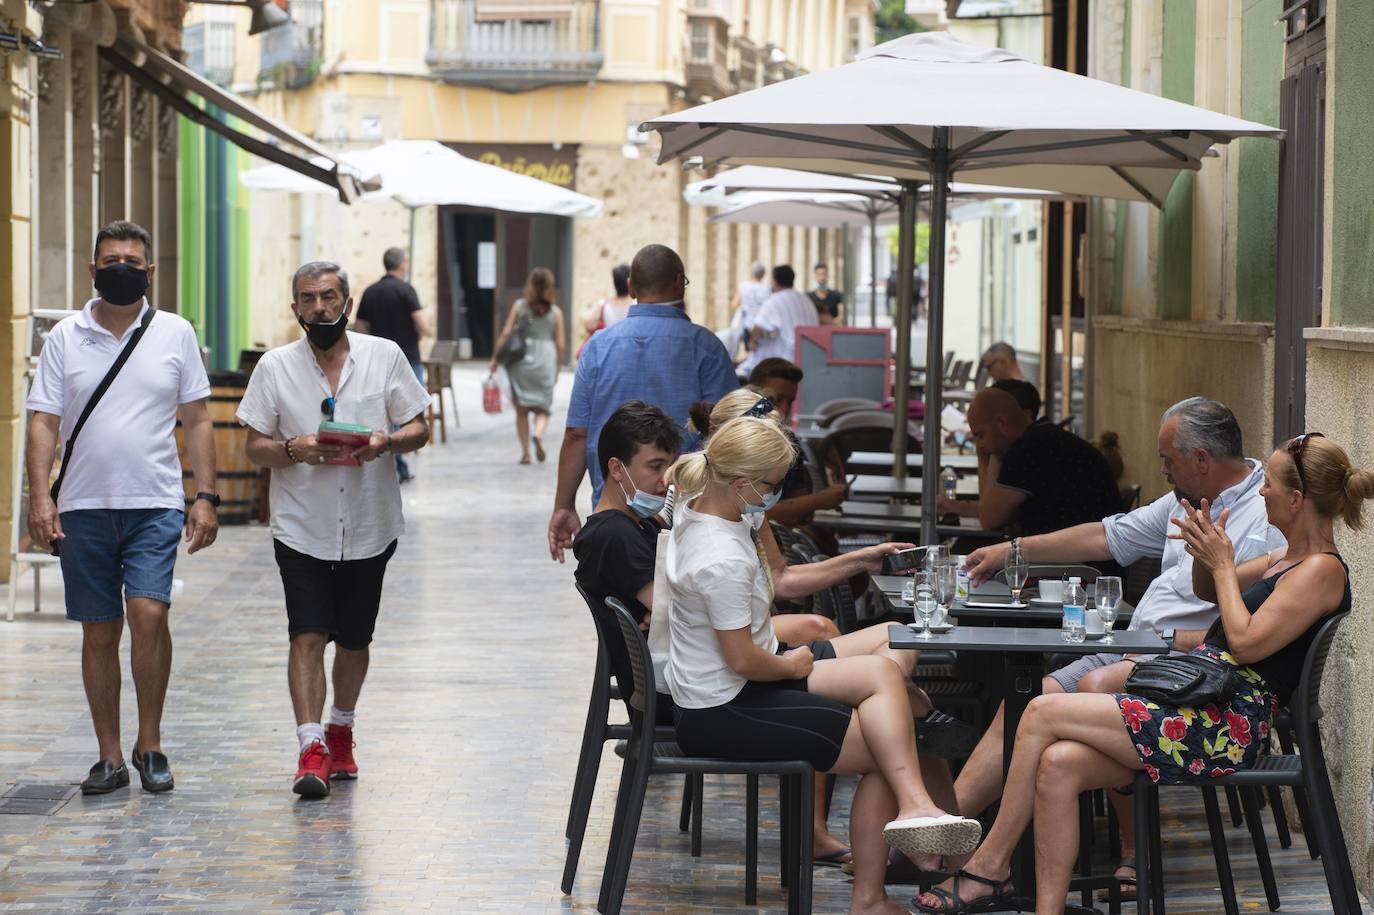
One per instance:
(1271, 608)
(742, 694)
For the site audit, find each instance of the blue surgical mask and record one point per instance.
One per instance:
(768, 501)
(644, 504)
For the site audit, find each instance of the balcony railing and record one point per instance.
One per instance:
(708, 59)
(291, 54)
(515, 44)
(210, 50)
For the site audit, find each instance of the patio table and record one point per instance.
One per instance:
(1021, 652)
(896, 524)
(909, 489)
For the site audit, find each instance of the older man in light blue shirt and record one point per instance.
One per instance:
(656, 355)
(1200, 455)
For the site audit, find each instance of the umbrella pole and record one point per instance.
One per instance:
(901, 375)
(410, 247)
(935, 315)
(872, 264)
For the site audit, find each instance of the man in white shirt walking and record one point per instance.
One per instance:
(336, 509)
(121, 506)
(774, 330)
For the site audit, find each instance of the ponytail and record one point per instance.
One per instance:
(1359, 485)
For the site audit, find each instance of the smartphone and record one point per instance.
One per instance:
(902, 561)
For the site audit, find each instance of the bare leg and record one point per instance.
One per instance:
(825, 842)
(541, 423)
(305, 677)
(350, 668)
(1091, 720)
(804, 628)
(150, 649)
(980, 781)
(522, 432)
(1112, 679)
(873, 640)
(100, 675)
(881, 733)
(873, 807)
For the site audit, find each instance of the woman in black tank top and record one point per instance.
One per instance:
(1270, 610)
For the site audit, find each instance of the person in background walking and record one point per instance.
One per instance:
(121, 506)
(774, 331)
(390, 309)
(748, 299)
(336, 510)
(829, 303)
(602, 314)
(656, 355)
(533, 377)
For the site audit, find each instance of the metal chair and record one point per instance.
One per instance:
(1306, 770)
(645, 756)
(826, 412)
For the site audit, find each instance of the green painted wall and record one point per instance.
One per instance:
(1122, 207)
(191, 228)
(1352, 172)
(1176, 222)
(1257, 209)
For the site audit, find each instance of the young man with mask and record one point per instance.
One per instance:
(336, 510)
(121, 506)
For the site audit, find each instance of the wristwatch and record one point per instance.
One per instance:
(211, 497)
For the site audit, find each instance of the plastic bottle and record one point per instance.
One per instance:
(1075, 606)
(961, 579)
(949, 482)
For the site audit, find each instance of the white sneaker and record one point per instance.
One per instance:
(943, 835)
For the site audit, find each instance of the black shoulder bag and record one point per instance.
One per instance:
(513, 350)
(95, 399)
(1184, 680)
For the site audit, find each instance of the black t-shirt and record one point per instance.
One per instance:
(615, 558)
(387, 306)
(1066, 480)
(828, 303)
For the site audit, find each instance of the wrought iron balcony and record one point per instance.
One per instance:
(291, 54)
(210, 50)
(515, 44)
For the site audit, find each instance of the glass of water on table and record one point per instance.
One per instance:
(946, 584)
(1107, 598)
(925, 600)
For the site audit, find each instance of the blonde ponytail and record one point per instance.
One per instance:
(1359, 485)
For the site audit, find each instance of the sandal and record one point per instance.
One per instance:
(951, 902)
(833, 859)
(1127, 892)
(539, 450)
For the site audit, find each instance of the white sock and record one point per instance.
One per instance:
(340, 717)
(309, 733)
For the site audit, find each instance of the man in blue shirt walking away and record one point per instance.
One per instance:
(656, 355)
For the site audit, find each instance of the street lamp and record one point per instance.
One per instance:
(266, 13)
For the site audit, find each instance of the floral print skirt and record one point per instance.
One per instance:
(1180, 745)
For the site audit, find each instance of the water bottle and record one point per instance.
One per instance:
(961, 579)
(1075, 606)
(949, 481)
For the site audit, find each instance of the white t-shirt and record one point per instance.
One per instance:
(716, 581)
(126, 456)
(612, 313)
(779, 318)
(334, 511)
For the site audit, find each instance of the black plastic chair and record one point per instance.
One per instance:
(595, 734)
(645, 756)
(1306, 770)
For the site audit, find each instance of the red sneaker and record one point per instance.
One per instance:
(312, 776)
(339, 739)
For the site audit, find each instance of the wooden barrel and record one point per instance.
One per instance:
(239, 482)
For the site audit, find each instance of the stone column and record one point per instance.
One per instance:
(116, 202)
(54, 176)
(85, 153)
(166, 161)
(142, 150)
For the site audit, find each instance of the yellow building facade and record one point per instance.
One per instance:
(551, 88)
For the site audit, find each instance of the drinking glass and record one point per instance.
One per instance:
(1017, 570)
(1108, 599)
(925, 602)
(946, 583)
(909, 591)
(935, 555)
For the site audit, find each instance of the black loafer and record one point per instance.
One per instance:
(945, 737)
(105, 777)
(153, 770)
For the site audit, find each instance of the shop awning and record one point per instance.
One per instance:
(178, 87)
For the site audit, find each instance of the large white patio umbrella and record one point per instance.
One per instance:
(420, 173)
(925, 107)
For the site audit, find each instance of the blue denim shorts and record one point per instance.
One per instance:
(111, 554)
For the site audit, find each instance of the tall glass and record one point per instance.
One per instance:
(935, 555)
(1108, 599)
(1017, 570)
(946, 584)
(926, 601)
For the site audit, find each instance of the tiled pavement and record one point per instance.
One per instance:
(467, 739)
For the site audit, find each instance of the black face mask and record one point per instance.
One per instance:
(121, 284)
(323, 334)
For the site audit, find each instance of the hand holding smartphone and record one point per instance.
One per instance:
(902, 561)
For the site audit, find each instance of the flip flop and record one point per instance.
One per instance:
(1128, 884)
(834, 859)
(943, 835)
(539, 450)
(952, 904)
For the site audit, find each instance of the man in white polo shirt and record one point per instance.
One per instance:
(121, 506)
(336, 510)
(774, 331)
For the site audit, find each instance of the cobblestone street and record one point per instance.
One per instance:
(467, 739)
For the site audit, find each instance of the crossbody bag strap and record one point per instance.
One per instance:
(99, 393)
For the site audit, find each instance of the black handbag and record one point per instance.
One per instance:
(513, 350)
(1184, 680)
